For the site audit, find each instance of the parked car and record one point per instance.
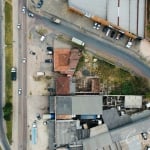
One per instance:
(108, 31)
(144, 135)
(39, 4)
(49, 52)
(50, 48)
(96, 25)
(105, 29)
(48, 61)
(30, 14)
(118, 36)
(112, 34)
(129, 43)
(31, 52)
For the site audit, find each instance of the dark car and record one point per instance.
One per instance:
(48, 61)
(112, 34)
(50, 48)
(105, 29)
(31, 52)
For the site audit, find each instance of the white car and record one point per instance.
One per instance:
(18, 26)
(24, 9)
(24, 60)
(19, 91)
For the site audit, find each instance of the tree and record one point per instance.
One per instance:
(7, 109)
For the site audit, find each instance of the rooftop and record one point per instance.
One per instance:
(66, 60)
(79, 105)
(133, 101)
(128, 14)
(62, 86)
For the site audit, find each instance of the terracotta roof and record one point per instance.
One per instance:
(66, 60)
(62, 86)
(61, 59)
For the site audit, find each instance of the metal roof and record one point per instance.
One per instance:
(97, 142)
(133, 101)
(131, 14)
(79, 105)
(89, 7)
(87, 104)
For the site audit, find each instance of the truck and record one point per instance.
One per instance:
(78, 42)
(55, 20)
(50, 116)
(13, 73)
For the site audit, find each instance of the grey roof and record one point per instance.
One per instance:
(108, 9)
(97, 142)
(63, 105)
(133, 101)
(65, 132)
(87, 104)
(78, 105)
(130, 130)
(93, 8)
(113, 120)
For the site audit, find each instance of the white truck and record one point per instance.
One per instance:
(56, 20)
(78, 42)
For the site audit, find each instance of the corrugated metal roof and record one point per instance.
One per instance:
(87, 104)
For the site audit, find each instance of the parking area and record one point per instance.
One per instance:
(40, 80)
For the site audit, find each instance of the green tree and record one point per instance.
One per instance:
(7, 109)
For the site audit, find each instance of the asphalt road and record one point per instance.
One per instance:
(3, 140)
(22, 76)
(100, 45)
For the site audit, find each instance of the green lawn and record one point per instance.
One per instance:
(8, 61)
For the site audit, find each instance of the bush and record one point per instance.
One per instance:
(7, 109)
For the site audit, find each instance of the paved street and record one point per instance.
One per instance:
(100, 45)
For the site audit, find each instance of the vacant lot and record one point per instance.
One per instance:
(113, 80)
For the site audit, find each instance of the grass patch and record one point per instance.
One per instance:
(8, 61)
(113, 80)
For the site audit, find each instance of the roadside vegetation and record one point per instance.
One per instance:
(8, 64)
(113, 80)
(148, 20)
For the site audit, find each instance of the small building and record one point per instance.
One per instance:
(133, 101)
(66, 60)
(65, 86)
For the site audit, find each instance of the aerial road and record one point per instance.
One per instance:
(22, 72)
(100, 45)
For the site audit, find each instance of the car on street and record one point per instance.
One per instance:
(19, 91)
(24, 60)
(30, 14)
(23, 9)
(48, 60)
(18, 26)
